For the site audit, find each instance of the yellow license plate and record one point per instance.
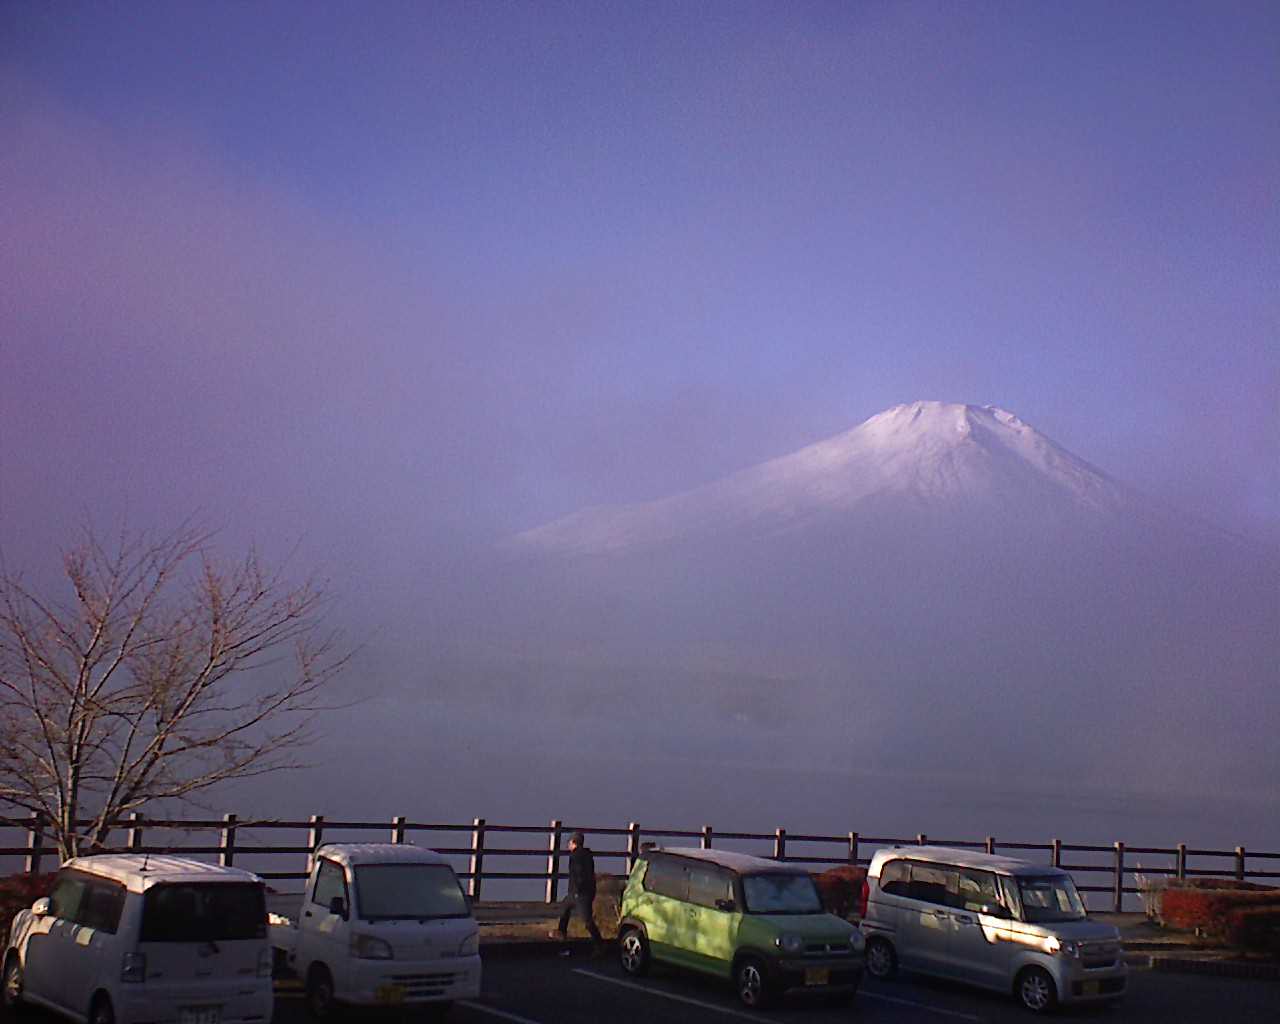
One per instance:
(1092, 988)
(389, 995)
(817, 976)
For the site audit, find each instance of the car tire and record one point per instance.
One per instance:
(1035, 990)
(321, 1004)
(882, 961)
(751, 981)
(13, 984)
(101, 1011)
(633, 952)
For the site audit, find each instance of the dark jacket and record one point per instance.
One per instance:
(582, 872)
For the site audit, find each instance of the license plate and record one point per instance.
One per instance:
(1092, 988)
(389, 995)
(198, 1015)
(817, 976)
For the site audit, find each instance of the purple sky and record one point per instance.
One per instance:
(377, 278)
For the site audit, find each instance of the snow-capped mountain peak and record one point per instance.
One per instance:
(925, 454)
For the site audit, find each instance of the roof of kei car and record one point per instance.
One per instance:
(139, 871)
(356, 854)
(963, 859)
(739, 862)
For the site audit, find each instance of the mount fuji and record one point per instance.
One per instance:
(916, 458)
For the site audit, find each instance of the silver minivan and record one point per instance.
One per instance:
(992, 921)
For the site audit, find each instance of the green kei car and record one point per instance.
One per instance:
(754, 921)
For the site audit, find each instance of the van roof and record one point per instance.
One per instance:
(353, 854)
(964, 859)
(139, 871)
(740, 862)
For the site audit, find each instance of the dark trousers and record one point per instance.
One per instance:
(582, 904)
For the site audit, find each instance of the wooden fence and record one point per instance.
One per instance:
(511, 849)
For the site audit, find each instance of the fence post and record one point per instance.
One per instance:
(921, 839)
(780, 844)
(991, 844)
(227, 853)
(314, 833)
(853, 848)
(477, 857)
(553, 861)
(397, 829)
(706, 837)
(1239, 863)
(1119, 879)
(633, 845)
(134, 835)
(1057, 853)
(35, 844)
(1181, 871)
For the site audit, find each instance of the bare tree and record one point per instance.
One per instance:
(162, 673)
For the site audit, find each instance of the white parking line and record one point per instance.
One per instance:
(471, 1005)
(919, 1006)
(672, 996)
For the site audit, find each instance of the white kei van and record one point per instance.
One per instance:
(992, 921)
(381, 924)
(134, 937)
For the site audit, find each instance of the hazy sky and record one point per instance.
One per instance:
(380, 275)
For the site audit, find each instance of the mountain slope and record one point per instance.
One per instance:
(924, 455)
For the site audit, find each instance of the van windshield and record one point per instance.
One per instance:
(204, 912)
(1050, 898)
(402, 892)
(780, 894)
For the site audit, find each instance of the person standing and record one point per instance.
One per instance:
(582, 893)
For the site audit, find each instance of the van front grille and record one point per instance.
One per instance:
(425, 984)
(827, 949)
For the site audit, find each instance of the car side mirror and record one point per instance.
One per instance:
(996, 910)
(338, 906)
(728, 906)
(40, 908)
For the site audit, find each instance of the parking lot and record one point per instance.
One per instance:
(544, 989)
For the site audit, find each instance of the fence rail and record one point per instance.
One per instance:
(1117, 863)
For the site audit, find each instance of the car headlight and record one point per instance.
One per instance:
(857, 942)
(470, 945)
(789, 943)
(1058, 947)
(370, 947)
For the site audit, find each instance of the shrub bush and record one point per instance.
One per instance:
(840, 889)
(1199, 907)
(18, 892)
(1254, 928)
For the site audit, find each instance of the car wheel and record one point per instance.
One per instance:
(13, 982)
(320, 1001)
(752, 983)
(633, 952)
(101, 1012)
(1035, 990)
(882, 961)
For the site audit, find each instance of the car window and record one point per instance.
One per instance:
(780, 894)
(895, 877)
(666, 877)
(67, 895)
(930, 883)
(204, 912)
(331, 881)
(976, 889)
(708, 883)
(102, 905)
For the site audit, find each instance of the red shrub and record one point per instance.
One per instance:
(18, 892)
(1254, 928)
(840, 889)
(1199, 907)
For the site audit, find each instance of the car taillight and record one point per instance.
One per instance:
(133, 967)
(862, 900)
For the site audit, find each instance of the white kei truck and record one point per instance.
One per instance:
(381, 924)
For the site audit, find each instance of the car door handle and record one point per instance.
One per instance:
(964, 918)
(306, 913)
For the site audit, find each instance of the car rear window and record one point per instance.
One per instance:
(204, 912)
